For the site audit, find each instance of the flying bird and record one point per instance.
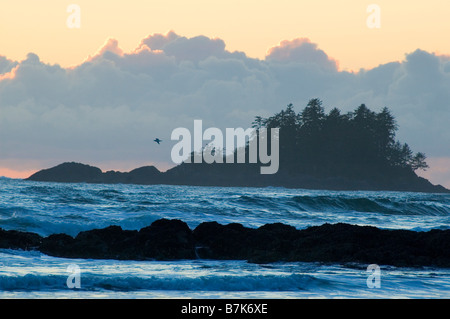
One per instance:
(157, 140)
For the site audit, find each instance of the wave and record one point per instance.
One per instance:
(384, 205)
(47, 208)
(343, 203)
(292, 282)
(136, 199)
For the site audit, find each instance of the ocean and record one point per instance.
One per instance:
(48, 208)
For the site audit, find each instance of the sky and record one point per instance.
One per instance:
(97, 81)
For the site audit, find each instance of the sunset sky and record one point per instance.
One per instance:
(132, 65)
(339, 27)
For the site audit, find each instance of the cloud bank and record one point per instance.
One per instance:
(107, 110)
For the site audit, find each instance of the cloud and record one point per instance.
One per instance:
(6, 65)
(301, 50)
(111, 45)
(193, 49)
(109, 108)
(158, 41)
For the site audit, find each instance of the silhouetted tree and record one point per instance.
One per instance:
(288, 122)
(418, 162)
(357, 144)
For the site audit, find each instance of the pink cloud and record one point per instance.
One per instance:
(9, 75)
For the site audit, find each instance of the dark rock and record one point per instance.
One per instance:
(272, 242)
(340, 243)
(163, 240)
(172, 239)
(58, 245)
(223, 242)
(111, 242)
(13, 239)
(108, 243)
(167, 239)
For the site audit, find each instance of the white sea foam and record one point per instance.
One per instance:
(34, 275)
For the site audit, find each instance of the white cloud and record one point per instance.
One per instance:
(111, 107)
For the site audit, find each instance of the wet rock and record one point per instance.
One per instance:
(13, 239)
(111, 242)
(167, 239)
(335, 243)
(108, 243)
(58, 245)
(223, 241)
(272, 242)
(162, 240)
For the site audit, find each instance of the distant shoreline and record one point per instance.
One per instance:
(237, 175)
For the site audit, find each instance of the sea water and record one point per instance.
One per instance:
(48, 208)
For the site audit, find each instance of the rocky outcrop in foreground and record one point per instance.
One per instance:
(172, 239)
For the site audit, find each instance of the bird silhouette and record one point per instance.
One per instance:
(157, 140)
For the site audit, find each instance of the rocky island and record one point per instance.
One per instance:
(228, 175)
(334, 151)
